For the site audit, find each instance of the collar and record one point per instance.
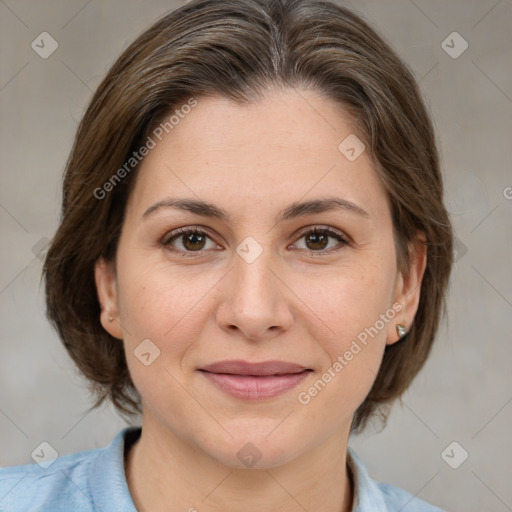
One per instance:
(107, 477)
(367, 496)
(109, 467)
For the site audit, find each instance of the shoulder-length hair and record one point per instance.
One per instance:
(240, 49)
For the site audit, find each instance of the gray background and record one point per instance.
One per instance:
(464, 393)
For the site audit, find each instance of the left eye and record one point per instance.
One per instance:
(318, 239)
(193, 240)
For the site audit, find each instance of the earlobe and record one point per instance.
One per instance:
(105, 279)
(408, 289)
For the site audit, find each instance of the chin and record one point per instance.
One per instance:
(256, 447)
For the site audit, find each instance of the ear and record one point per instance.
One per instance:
(106, 286)
(408, 287)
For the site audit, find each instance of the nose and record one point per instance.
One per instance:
(254, 300)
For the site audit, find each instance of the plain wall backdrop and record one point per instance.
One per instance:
(463, 394)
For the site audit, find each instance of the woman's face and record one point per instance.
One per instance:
(256, 284)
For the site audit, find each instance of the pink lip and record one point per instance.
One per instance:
(253, 381)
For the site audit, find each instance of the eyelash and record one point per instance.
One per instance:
(166, 241)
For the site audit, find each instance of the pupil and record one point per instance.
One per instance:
(194, 238)
(318, 238)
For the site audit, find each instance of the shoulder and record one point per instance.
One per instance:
(399, 499)
(78, 481)
(39, 488)
(370, 495)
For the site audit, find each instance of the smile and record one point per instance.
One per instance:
(254, 381)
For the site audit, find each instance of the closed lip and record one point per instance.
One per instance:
(241, 367)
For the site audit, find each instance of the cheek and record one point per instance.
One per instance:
(167, 307)
(158, 300)
(354, 311)
(159, 314)
(350, 302)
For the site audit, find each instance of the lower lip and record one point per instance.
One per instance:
(249, 387)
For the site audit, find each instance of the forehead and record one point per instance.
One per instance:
(280, 149)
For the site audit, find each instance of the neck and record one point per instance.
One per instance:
(163, 471)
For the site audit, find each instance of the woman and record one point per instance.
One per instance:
(254, 254)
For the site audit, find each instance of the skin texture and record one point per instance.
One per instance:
(290, 304)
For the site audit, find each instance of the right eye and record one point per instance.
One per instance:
(192, 240)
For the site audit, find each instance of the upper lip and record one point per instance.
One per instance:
(240, 367)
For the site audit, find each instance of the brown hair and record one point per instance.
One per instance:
(240, 49)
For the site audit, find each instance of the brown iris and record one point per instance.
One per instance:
(194, 241)
(317, 239)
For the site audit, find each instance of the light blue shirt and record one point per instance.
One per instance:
(95, 481)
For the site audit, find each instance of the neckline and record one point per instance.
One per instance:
(132, 436)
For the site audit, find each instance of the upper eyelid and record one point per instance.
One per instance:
(322, 227)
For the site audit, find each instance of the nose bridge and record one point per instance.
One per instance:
(253, 276)
(254, 301)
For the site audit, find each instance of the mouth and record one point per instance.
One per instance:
(254, 381)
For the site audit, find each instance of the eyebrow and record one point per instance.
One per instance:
(294, 210)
